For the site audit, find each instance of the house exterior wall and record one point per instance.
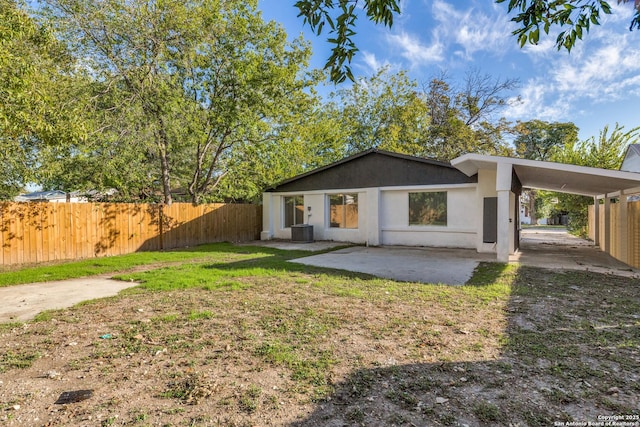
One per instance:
(383, 217)
(318, 216)
(460, 231)
(631, 162)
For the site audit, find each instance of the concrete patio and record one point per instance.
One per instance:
(550, 248)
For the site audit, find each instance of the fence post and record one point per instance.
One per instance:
(161, 225)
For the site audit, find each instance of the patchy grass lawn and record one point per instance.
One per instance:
(60, 270)
(245, 338)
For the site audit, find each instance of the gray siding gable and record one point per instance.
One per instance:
(375, 168)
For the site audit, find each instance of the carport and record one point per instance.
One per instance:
(601, 184)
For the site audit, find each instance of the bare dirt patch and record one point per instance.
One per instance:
(302, 349)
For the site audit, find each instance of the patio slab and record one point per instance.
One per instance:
(422, 265)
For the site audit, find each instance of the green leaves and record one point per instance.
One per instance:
(182, 92)
(575, 15)
(38, 87)
(341, 16)
(537, 139)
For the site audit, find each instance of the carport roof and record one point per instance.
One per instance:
(552, 176)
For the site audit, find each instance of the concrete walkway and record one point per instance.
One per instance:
(23, 302)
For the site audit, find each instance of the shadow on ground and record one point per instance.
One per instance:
(570, 352)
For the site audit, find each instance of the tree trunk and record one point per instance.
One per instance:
(532, 207)
(163, 152)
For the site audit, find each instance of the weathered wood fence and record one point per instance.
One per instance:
(624, 239)
(40, 232)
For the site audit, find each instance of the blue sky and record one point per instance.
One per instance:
(597, 84)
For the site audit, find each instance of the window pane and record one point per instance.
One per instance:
(428, 208)
(293, 210)
(343, 210)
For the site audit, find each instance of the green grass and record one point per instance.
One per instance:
(221, 254)
(227, 268)
(239, 330)
(13, 360)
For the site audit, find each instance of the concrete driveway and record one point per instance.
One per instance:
(552, 248)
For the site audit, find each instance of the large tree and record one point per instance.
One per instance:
(391, 112)
(39, 105)
(384, 111)
(537, 140)
(467, 120)
(203, 79)
(574, 17)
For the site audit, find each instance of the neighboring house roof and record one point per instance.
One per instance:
(631, 162)
(41, 196)
(375, 168)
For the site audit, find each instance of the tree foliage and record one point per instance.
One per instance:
(189, 84)
(385, 111)
(340, 16)
(607, 152)
(389, 111)
(466, 120)
(537, 139)
(577, 16)
(39, 106)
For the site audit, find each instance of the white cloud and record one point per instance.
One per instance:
(372, 64)
(532, 103)
(458, 32)
(601, 73)
(415, 51)
(371, 61)
(473, 30)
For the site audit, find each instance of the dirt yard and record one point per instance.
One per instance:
(518, 346)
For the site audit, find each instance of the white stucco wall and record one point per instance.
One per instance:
(273, 219)
(459, 232)
(383, 217)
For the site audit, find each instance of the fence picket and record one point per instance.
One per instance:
(40, 232)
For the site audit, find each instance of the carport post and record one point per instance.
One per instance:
(606, 245)
(596, 221)
(503, 188)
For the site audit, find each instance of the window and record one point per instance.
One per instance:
(428, 208)
(293, 210)
(343, 210)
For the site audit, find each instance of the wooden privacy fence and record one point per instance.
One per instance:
(632, 232)
(40, 232)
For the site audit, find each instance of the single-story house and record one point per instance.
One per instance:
(382, 198)
(53, 196)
